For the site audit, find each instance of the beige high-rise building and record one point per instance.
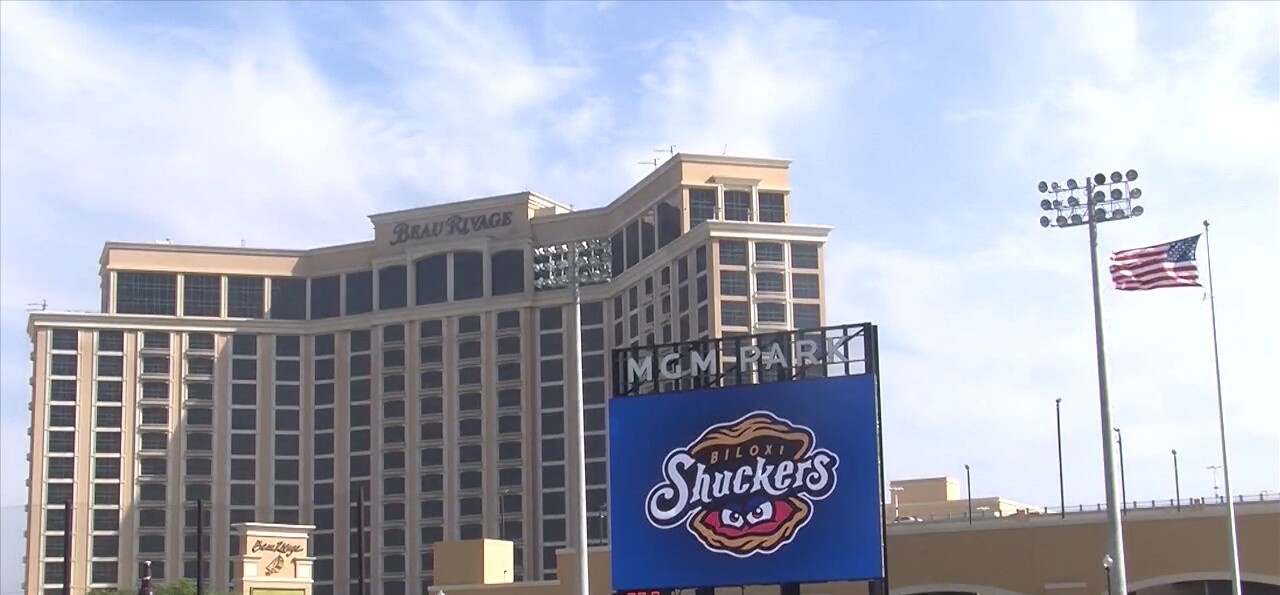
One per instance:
(420, 368)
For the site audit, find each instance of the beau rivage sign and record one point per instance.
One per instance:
(451, 226)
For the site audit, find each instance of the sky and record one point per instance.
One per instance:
(919, 131)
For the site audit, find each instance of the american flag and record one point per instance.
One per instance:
(1166, 265)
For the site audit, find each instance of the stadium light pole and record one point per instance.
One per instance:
(1115, 203)
(570, 265)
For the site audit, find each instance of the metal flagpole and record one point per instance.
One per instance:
(1233, 547)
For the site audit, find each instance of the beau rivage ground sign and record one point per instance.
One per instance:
(453, 225)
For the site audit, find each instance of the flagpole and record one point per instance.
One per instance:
(1233, 547)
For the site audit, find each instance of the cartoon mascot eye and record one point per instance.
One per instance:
(762, 513)
(730, 518)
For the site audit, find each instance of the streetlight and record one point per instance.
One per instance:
(570, 265)
(1113, 204)
(968, 484)
(1062, 488)
(1177, 486)
(1124, 489)
(1215, 469)
(1106, 565)
(502, 513)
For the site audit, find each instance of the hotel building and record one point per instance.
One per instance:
(420, 368)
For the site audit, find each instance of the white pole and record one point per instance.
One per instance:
(1115, 531)
(577, 424)
(1233, 547)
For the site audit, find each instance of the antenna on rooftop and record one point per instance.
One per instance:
(725, 151)
(654, 163)
(242, 244)
(670, 150)
(42, 305)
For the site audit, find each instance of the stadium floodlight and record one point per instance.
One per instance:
(570, 265)
(1105, 198)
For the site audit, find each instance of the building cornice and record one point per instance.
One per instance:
(538, 201)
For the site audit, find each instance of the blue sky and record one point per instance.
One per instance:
(919, 130)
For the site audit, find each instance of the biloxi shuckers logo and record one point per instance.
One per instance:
(745, 487)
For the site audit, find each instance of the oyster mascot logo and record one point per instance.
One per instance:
(745, 487)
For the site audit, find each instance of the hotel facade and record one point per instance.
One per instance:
(420, 369)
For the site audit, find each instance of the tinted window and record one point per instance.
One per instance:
(146, 293)
(325, 297)
(359, 292)
(244, 297)
(392, 288)
(507, 272)
(431, 279)
(201, 295)
(288, 298)
(468, 275)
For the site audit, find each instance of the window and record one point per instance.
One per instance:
(326, 297)
(359, 292)
(244, 297)
(62, 442)
(62, 416)
(155, 415)
(772, 207)
(771, 282)
(804, 256)
(146, 293)
(734, 314)
(154, 440)
(201, 295)
(668, 223)
(807, 316)
(62, 390)
(111, 366)
(468, 275)
(507, 272)
(431, 279)
(618, 254)
(771, 312)
(244, 345)
(155, 364)
(155, 340)
(633, 243)
(804, 286)
(733, 252)
(106, 468)
(737, 205)
(200, 391)
(702, 205)
(105, 442)
(769, 252)
(733, 282)
(109, 391)
(200, 341)
(111, 341)
(200, 366)
(68, 339)
(155, 390)
(469, 324)
(63, 364)
(392, 287)
(288, 298)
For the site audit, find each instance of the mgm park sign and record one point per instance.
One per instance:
(747, 359)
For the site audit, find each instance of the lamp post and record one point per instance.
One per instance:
(1106, 565)
(1215, 469)
(968, 484)
(893, 491)
(1177, 486)
(570, 265)
(1124, 486)
(1062, 488)
(1113, 204)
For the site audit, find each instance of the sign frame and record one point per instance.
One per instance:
(780, 356)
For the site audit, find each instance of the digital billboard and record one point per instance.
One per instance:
(766, 483)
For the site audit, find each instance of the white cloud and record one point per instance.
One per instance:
(981, 340)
